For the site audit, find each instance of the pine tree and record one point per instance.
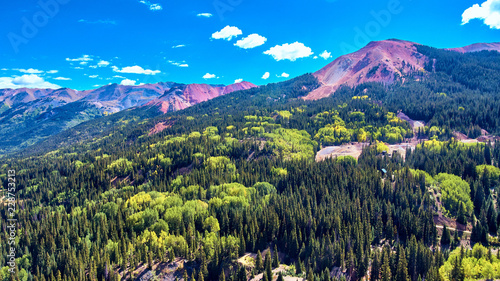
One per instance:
(375, 270)
(385, 270)
(280, 277)
(402, 269)
(298, 267)
(269, 269)
(258, 262)
(276, 262)
(446, 238)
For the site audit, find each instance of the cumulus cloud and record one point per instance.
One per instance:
(205, 15)
(103, 63)
(136, 70)
(326, 55)
(209, 76)
(227, 33)
(266, 75)
(29, 70)
(251, 41)
(488, 11)
(52, 71)
(62, 78)
(152, 7)
(284, 75)
(26, 81)
(290, 52)
(128, 82)
(238, 81)
(81, 59)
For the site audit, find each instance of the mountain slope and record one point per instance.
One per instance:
(30, 115)
(381, 61)
(183, 96)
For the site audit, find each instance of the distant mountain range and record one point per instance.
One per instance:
(30, 115)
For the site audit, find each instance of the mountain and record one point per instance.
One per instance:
(477, 48)
(380, 61)
(30, 115)
(183, 96)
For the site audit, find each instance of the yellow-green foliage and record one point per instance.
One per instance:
(476, 264)
(190, 118)
(194, 135)
(381, 147)
(138, 201)
(284, 114)
(455, 192)
(429, 180)
(492, 170)
(442, 94)
(281, 172)
(292, 143)
(361, 135)
(229, 128)
(165, 161)
(233, 194)
(357, 116)
(346, 159)
(334, 135)
(79, 164)
(251, 118)
(221, 165)
(211, 131)
(329, 117)
(365, 97)
(121, 166)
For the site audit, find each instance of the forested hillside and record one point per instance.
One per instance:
(113, 199)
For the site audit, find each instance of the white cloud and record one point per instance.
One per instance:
(29, 71)
(315, 57)
(290, 52)
(227, 33)
(103, 63)
(284, 75)
(62, 78)
(209, 76)
(152, 7)
(179, 64)
(205, 15)
(326, 55)
(178, 46)
(4, 69)
(128, 82)
(238, 81)
(77, 67)
(93, 76)
(118, 76)
(489, 12)
(84, 63)
(52, 71)
(251, 41)
(266, 75)
(83, 58)
(26, 81)
(136, 70)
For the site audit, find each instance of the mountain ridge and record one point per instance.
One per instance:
(380, 61)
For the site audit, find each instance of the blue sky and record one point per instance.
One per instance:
(84, 44)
